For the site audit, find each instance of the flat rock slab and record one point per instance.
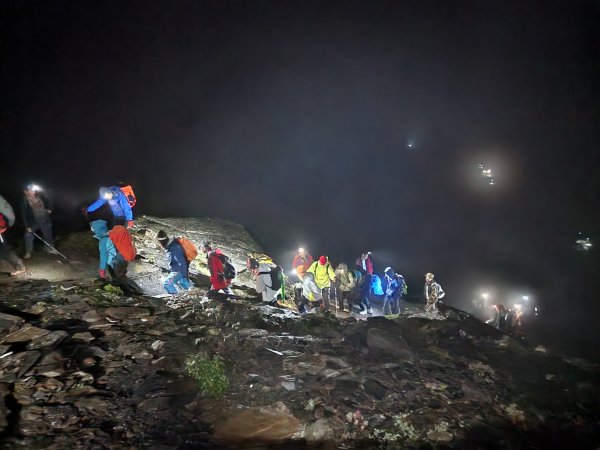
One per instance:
(9, 323)
(27, 333)
(127, 312)
(257, 425)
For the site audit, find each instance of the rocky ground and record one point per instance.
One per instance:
(84, 366)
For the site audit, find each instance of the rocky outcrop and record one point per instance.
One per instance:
(84, 366)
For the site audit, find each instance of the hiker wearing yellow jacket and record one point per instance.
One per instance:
(324, 277)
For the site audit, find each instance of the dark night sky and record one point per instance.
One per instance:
(294, 118)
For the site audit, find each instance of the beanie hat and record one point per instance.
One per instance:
(162, 235)
(323, 260)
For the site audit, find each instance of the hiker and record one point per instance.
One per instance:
(118, 211)
(345, 284)
(305, 259)
(35, 211)
(364, 263)
(310, 291)
(392, 293)
(302, 258)
(178, 264)
(364, 290)
(120, 252)
(269, 282)
(433, 292)
(100, 230)
(324, 277)
(7, 220)
(218, 278)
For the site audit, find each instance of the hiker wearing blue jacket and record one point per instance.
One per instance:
(108, 252)
(118, 204)
(392, 293)
(178, 264)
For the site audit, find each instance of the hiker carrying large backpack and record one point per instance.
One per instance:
(269, 282)
(178, 260)
(119, 212)
(222, 271)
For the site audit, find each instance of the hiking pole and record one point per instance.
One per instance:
(57, 252)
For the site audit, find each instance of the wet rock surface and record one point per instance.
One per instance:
(84, 368)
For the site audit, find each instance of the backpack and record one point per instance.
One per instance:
(188, 248)
(376, 285)
(403, 285)
(276, 277)
(7, 211)
(129, 195)
(229, 271)
(123, 242)
(441, 292)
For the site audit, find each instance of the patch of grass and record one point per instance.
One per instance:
(209, 372)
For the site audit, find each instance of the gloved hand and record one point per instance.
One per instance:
(130, 224)
(102, 273)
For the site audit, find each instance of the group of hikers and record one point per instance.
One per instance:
(318, 286)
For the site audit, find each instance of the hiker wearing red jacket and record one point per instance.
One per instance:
(218, 280)
(302, 258)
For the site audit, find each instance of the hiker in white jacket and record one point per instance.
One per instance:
(264, 285)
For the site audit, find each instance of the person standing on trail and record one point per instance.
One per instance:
(345, 284)
(215, 260)
(364, 263)
(324, 277)
(7, 220)
(311, 294)
(433, 292)
(305, 259)
(35, 211)
(178, 264)
(392, 293)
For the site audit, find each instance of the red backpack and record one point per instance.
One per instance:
(123, 242)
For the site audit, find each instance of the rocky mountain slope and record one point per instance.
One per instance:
(83, 366)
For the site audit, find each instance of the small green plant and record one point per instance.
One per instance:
(210, 373)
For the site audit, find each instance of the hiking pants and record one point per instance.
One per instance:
(7, 254)
(176, 279)
(391, 302)
(365, 303)
(326, 304)
(344, 295)
(46, 231)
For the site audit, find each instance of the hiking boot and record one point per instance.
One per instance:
(363, 312)
(18, 271)
(370, 311)
(27, 255)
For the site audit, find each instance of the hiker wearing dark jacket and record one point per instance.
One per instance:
(392, 293)
(178, 264)
(35, 211)
(7, 219)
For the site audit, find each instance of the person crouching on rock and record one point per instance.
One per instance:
(218, 278)
(311, 294)
(178, 264)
